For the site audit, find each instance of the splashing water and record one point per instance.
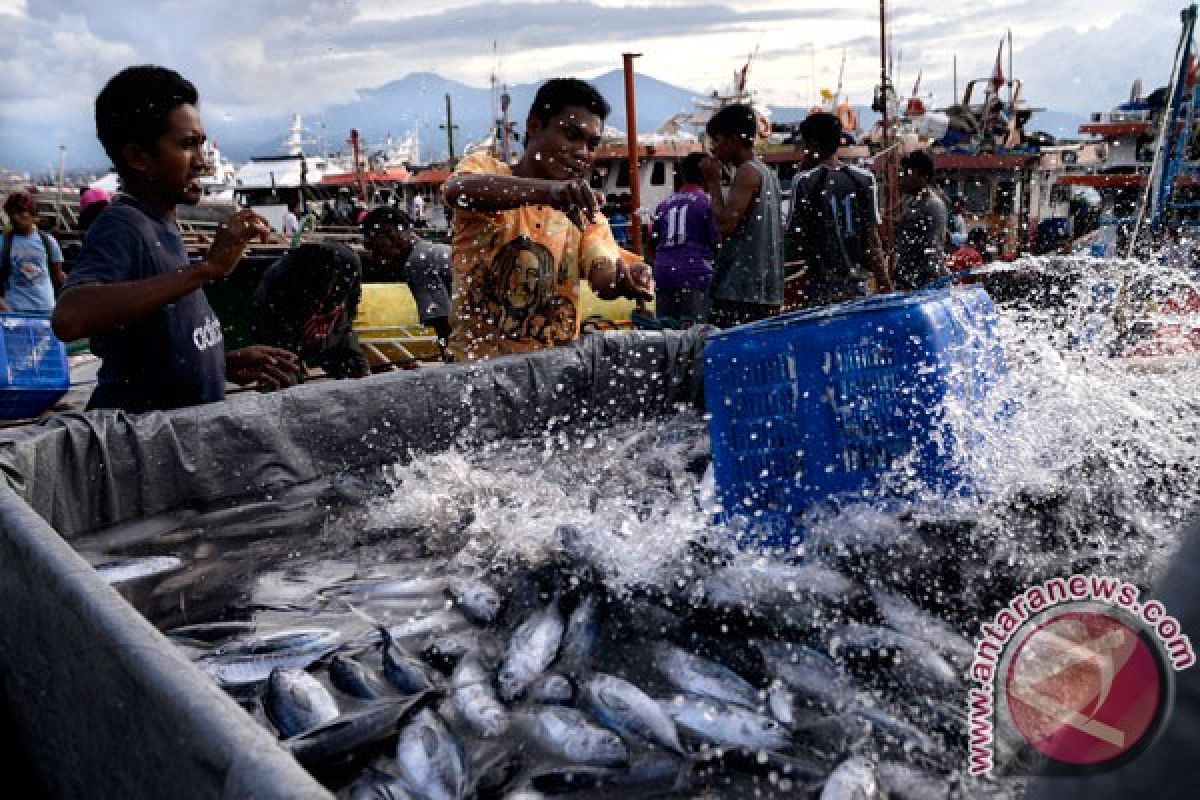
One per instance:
(1083, 459)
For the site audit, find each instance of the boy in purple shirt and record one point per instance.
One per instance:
(685, 236)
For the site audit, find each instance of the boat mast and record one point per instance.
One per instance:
(635, 178)
(888, 176)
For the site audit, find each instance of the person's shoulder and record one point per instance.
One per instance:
(862, 173)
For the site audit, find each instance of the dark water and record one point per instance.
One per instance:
(1095, 471)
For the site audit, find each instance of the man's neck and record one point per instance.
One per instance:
(830, 160)
(527, 167)
(152, 200)
(741, 158)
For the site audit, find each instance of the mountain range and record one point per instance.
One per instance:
(418, 102)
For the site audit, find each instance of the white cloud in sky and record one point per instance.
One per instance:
(256, 60)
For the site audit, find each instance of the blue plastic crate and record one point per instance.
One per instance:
(820, 404)
(33, 366)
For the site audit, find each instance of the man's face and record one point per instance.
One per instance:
(911, 181)
(811, 154)
(22, 221)
(563, 148)
(178, 164)
(722, 147)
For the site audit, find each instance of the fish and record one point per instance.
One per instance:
(350, 676)
(249, 661)
(811, 676)
(430, 759)
(475, 700)
(881, 655)
(213, 632)
(127, 570)
(782, 597)
(725, 724)
(582, 632)
(405, 673)
(910, 619)
(417, 586)
(781, 703)
(438, 623)
(531, 649)
(893, 734)
(476, 599)
(296, 702)
(350, 732)
(567, 733)
(551, 688)
(904, 782)
(853, 779)
(628, 710)
(699, 676)
(444, 652)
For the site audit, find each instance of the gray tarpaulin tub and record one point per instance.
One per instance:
(104, 704)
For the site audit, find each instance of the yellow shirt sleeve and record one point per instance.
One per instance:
(597, 244)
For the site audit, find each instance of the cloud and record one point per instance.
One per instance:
(256, 60)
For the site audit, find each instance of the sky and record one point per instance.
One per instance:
(259, 60)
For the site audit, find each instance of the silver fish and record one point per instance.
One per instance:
(350, 676)
(477, 600)
(296, 702)
(699, 676)
(725, 724)
(475, 700)
(904, 782)
(532, 648)
(405, 673)
(854, 779)
(248, 661)
(628, 710)
(126, 570)
(812, 677)
(566, 733)
(876, 652)
(431, 760)
(553, 688)
(582, 632)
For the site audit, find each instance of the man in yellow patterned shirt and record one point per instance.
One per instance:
(525, 236)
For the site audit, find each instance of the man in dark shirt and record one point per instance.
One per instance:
(397, 253)
(834, 219)
(921, 230)
(306, 302)
(685, 237)
(133, 290)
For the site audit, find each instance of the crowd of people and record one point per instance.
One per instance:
(525, 237)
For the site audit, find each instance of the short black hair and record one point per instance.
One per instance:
(557, 94)
(920, 162)
(823, 131)
(386, 216)
(978, 238)
(738, 120)
(689, 168)
(134, 105)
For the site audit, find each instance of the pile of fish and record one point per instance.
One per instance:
(743, 678)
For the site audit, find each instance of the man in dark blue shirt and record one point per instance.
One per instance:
(133, 290)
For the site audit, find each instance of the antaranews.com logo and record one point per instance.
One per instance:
(1077, 668)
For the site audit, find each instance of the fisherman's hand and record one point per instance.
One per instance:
(577, 200)
(233, 234)
(638, 283)
(710, 168)
(269, 367)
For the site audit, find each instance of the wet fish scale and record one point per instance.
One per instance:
(532, 648)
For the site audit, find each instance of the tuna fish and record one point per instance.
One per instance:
(881, 655)
(476, 599)
(854, 779)
(296, 702)
(582, 632)
(567, 734)
(725, 724)
(552, 688)
(431, 760)
(127, 570)
(532, 648)
(628, 710)
(699, 676)
(250, 661)
(350, 676)
(351, 732)
(475, 700)
(402, 671)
